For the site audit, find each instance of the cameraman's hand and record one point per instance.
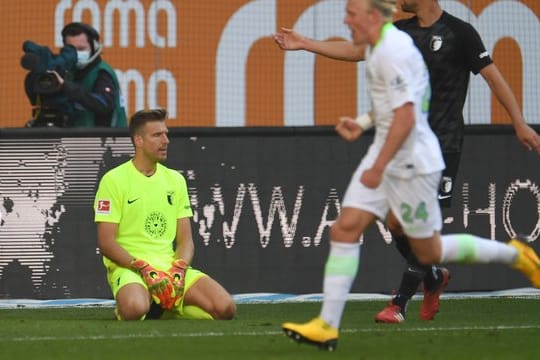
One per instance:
(60, 79)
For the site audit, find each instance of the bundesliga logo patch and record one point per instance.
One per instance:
(103, 207)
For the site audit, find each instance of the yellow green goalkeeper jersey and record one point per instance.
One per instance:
(146, 209)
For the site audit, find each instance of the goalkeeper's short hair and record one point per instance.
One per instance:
(141, 117)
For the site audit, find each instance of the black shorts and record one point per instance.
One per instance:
(448, 178)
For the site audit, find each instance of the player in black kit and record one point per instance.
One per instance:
(452, 49)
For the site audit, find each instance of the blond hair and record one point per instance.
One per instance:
(386, 7)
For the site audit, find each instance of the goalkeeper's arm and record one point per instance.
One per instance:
(159, 283)
(108, 247)
(184, 241)
(184, 254)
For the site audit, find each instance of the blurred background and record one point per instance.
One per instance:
(212, 63)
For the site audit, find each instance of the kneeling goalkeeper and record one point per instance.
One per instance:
(142, 211)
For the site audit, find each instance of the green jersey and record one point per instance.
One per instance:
(146, 209)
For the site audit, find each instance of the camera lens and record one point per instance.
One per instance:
(47, 83)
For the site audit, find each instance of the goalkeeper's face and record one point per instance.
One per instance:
(153, 141)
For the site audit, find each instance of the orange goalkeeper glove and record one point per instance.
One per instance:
(160, 284)
(178, 274)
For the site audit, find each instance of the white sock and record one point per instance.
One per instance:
(467, 248)
(339, 273)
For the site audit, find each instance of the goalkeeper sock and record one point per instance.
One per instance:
(339, 273)
(467, 248)
(195, 313)
(191, 312)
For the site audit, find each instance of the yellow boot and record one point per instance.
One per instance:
(527, 261)
(315, 332)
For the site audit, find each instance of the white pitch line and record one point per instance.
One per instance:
(260, 333)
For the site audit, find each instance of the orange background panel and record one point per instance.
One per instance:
(192, 62)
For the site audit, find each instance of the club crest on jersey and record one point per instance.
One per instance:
(155, 224)
(103, 207)
(446, 185)
(170, 197)
(436, 43)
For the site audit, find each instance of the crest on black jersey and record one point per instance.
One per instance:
(436, 43)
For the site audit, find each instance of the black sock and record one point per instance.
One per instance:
(413, 275)
(402, 244)
(433, 278)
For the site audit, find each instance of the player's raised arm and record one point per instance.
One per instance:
(288, 39)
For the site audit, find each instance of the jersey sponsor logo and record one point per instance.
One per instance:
(436, 43)
(103, 207)
(131, 201)
(442, 197)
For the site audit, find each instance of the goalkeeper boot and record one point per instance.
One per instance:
(430, 304)
(391, 314)
(315, 332)
(527, 260)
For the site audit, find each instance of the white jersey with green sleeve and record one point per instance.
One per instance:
(397, 75)
(146, 209)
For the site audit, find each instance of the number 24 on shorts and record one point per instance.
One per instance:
(410, 214)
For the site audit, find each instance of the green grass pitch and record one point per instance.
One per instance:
(501, 328)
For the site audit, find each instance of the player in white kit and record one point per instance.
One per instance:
(400, 174)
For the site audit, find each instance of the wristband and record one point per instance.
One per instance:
(364, 121)
(181, 264)
(138, 264)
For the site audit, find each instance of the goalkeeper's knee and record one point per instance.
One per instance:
(119, 317)
(226, 310)
(131, 308)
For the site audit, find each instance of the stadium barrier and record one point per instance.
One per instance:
(263, 199)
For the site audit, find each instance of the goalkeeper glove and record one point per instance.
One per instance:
(178, 274)
(160, 284)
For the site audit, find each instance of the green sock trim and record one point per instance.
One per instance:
(466, 248)
(342, 265)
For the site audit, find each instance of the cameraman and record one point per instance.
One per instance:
(90, 90)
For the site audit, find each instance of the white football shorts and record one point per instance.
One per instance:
(415, 203)
(413, 200)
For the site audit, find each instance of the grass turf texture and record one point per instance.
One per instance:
(502, 328)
